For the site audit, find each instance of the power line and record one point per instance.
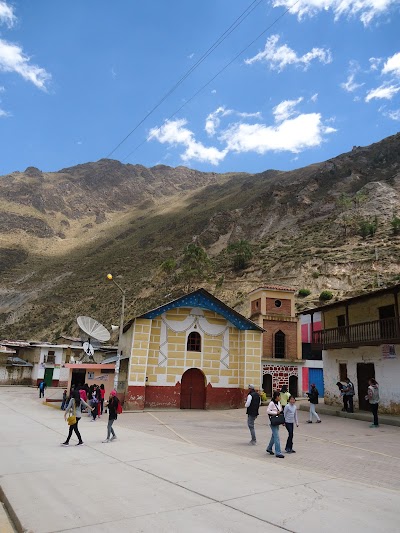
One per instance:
(216, 75)
(211, 49)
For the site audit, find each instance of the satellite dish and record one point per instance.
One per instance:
(93, 329)
(114, 328)
(88, 348)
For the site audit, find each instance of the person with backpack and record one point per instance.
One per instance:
(114, 408)
(373, 398)
(313, 399)
(252, 404)
(74, 409)
(348, 392)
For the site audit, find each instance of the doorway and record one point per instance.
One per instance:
(48, 376)
(365, 371)
(78, 376)
(267, 385)
(193, 389)
(293, 386)
(316, 376)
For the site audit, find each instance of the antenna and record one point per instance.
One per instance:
(93, 329)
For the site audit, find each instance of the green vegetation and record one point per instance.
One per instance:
(304, 292)
(395, 223)
(241, 253)
(315, 275)
(367, 228)
(325, 296)
(195, 265)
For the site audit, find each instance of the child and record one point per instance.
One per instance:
(64, 400)
(290, 413)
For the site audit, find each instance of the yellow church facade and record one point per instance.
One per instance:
(192, 353)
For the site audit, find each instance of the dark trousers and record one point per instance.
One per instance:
(350, 407)
(289, 442)
(102, 405)
(41, 393)
(94, 412)
(72, 428)
(374, 409)
(345, 402)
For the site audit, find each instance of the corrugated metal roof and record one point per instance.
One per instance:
(17, 361)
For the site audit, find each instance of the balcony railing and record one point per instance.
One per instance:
(365, 333)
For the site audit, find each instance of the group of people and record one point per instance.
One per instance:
(347, 393)
(93, 395)
(78, 402)
(282, 411)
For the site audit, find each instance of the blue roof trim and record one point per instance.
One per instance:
(201, 299)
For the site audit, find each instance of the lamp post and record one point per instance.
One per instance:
(121, 328)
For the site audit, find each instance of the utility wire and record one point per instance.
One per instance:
(216, 76)
(210, 50)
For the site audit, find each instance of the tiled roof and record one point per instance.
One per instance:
(275, 288)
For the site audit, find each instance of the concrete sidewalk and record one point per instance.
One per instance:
(143, 482)
(365, 416)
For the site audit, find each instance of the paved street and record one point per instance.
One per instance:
(194, 471)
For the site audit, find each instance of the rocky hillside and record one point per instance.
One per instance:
(330, 225)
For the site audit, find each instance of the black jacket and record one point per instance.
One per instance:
(313, 395)
(112, 408)
(255, 404)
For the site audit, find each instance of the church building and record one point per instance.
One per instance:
(192, 353)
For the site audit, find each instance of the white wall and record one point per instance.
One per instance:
(15, 375)
(387, 374)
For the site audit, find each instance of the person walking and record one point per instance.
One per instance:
(94, 404)
(373, 398)
(42, 385)
(285, 395)
(252, 404)
(274, 409)
(348, 392)
(112, 404)
(64, 400)
(313, 399)
(290, 412)
(342, 395)
(75, 407)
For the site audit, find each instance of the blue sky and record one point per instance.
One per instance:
(76, 77)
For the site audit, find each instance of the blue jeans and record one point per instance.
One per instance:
(275, 440)
(110, 430)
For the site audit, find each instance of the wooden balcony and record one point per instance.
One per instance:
(377, 332)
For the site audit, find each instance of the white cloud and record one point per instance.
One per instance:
(279, 57)
(173, 132)
(350, 85)
(366, 10)
(314, 97)
(285, 109)
(7, 14)
(191, 56)
(13, 59)
(394, 115)
(385, 91)
(257, 114)
(292, 135)
(4, 113)
(375, 62)
(214, 91)
(213, 119)
(392, 65)
(2, 89)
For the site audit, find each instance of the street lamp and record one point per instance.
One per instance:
(121, 328)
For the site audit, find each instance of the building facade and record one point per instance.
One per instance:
(192, 353)
(272, 307)
(360, 339)
(313, 367)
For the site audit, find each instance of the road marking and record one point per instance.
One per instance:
(169, 427)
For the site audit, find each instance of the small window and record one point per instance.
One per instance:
(342, 371)
(257, 304)
(278, 303)
(194, 342)
(279, 344)
(341, 321)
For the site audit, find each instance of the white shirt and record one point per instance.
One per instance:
(274, 409)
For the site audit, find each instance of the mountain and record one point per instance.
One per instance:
(328, 226)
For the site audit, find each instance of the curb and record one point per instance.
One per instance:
(15, 524)
(361, 415)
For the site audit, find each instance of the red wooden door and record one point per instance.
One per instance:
(193, 389)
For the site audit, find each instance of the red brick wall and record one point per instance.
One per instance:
(134, 397)
(223, 398)
(256, 306)
(284, 309)
(169, 397)
(289, 329)
(280, 374)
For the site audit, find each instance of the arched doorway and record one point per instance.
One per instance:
(193, 389)
(267, 385)
(293, 386)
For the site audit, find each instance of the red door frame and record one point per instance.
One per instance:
(193, 389)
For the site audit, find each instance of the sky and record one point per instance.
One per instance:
(216, 85)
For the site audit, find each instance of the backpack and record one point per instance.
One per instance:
(119, 408)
